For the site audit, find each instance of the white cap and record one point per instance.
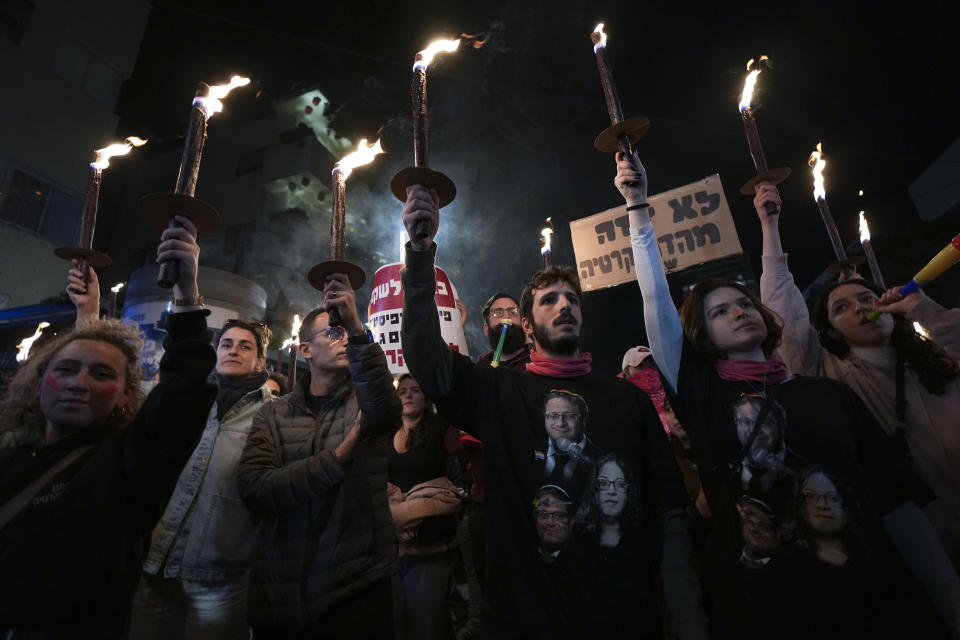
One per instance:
(634, 356)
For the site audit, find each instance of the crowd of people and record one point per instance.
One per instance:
(759, 470)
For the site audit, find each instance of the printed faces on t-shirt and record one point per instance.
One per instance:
(586, 493)
(785, 504)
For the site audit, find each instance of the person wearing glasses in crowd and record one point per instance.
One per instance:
(315, 467)
(194, 581)
(516, 353)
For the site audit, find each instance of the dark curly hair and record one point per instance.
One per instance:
(694, 319)
(545, 278)
(427, 431)
(934, 367)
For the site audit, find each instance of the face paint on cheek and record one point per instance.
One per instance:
(109, 391)
(51, 382)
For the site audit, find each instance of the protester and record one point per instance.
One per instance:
(317, 472)
(515, 353)
(278, 384)
(921, 412)
(194, 582)
(528, 597)
(426, 505)
(721, 367)
(80, 500)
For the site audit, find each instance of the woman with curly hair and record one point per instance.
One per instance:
(911, 384)
(80, 495)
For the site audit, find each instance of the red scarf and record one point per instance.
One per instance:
(772, 370)
(559, 367)
(649, 382)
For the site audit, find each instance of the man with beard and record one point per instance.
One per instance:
(505, 408)
(516, 353)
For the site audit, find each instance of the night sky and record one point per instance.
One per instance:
(513, 123)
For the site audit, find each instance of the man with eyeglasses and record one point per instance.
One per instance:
(516, 354)
(315, 467)
(553, 513)
(570, 455)
(528, 596)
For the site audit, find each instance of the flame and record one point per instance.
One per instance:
(294, 338)
(478, 40)
(23, 349)
(364, 154)
(864, 229)
(750, 82)
(116, 288)
(919, 329)
(601, 39)
(102, 159)
(425, 57)
(210, 103)
(817, 163)
(861, 192)
(545, 233)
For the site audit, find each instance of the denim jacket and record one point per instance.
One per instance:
(206, 532)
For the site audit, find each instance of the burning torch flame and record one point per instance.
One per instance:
(817, 162)
(600, 39)
(102, 159)
(210, 103)
(294, 338)
(116, 288)
(364, 154)
(23, 349)
(545, 233)
(864, 229)
(750, 82)
(425, 57)
(919, 329)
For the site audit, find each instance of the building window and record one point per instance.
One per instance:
(79, 66)
(14, 16)
(250, 161)
(37, 206)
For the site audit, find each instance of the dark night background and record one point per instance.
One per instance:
(513, 123)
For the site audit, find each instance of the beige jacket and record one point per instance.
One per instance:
(933, 421)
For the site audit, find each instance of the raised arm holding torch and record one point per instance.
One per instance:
(159, 209)
(764, 173)
(84, 253)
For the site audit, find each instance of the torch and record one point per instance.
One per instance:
(947, 257)
(844, 263)
(84, 253)
(293, 342)
(504, 325)
(868, 251)
(621, 133)
(318, 275)
(159, 208)
(764, 173)
(421, 173)
(23, 349)
(545, 250)
(114, 293)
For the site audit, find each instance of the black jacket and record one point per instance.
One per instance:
(72, 569)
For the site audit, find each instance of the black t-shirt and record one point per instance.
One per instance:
(605, 454)
(424, 462)
(315, 403)
(797, 546)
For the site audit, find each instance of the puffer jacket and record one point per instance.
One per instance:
(329, 531)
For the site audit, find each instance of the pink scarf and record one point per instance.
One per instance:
(772, 370)
(559, 367)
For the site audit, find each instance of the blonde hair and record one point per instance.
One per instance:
(21, 418)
